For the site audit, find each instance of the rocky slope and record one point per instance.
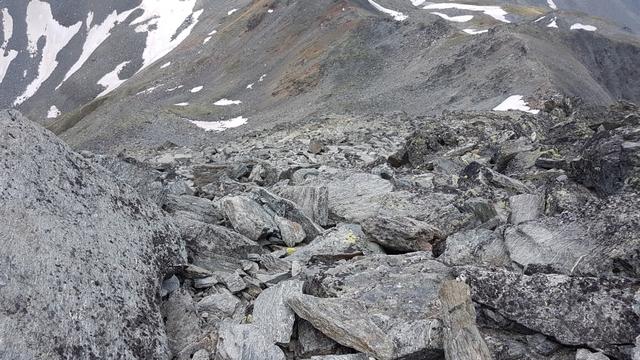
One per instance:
(82, 255)
(332, 240)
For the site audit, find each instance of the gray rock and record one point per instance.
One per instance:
(573, 310)
(249, 218)
(356, 197)
(342, 357)
(312, 200)
(399, 293)
(346, 321)
(272, 314)
(291, 232)
(264, 174)
(201, 354)
(222, 304)
(475, 247)
(169, 285)
(194, 208)
(311, 341)
(215, 248)
(401, 233)
(83, 255)
(548, 242)
(584, 354)
(232, 280)
(245, 342)
(287, 209)
(343, 239)
(636, 349)
(182, 321)
(205, 283)
(525, 207)
(505, 182)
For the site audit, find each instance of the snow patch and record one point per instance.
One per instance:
(53, 112)
(149, 90)
(552, 4)
(270, 11)
(213, 32)
(553, 23)
(175, 88)
(515, 102)
(40, 23)
(495, 12)
(196, 89)
(161, 20)
(182, 104)
(474, 31)
(96, 35)
(417, 2)
(112, 80)
(227, 102)
(250, 86)
(206, 40)
(165, 65)
(5, 61)
(262, 77)
(396, 15)
(220, 125)
(461, 18)
(231, 11)
(7, 28)
(579, 26)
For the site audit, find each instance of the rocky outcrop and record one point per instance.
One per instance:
(82, 255)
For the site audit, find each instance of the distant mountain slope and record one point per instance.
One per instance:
(257, 63)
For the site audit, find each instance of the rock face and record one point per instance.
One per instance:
(574, 310)
(82, 255)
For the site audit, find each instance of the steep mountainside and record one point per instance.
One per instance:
(228, 64)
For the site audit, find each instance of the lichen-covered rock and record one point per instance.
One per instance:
(574, 310)
(399, 293)
(312, 200)
(82, 257)
(401, 233)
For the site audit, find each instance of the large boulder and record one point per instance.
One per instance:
(382, 305)
(83, 255)
(573, 310)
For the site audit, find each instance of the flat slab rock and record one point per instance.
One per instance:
(394, 297)
(82, 258)
(574, 310)
(246, 342)
(272, 314)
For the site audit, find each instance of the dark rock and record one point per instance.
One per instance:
(573, 310)
(402, 234)
(169, 285)
(312, 342)
(83, 255)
